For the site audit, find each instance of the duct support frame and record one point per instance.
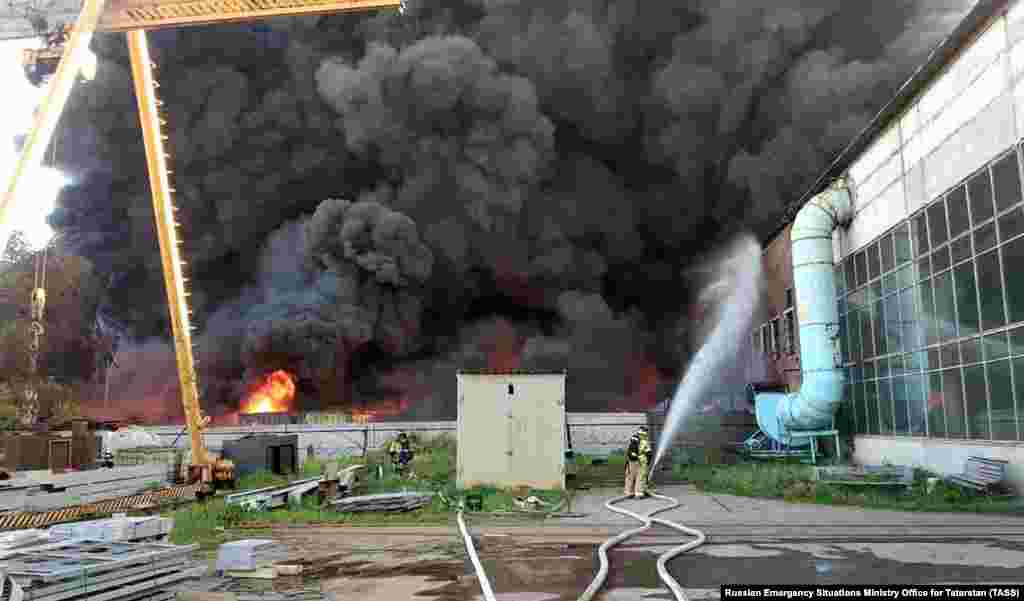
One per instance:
(813, 407)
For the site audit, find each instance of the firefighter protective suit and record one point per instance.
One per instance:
(638, 459)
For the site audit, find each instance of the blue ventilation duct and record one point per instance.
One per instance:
(823, 379)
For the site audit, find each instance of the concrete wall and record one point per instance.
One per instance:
(941, 456)
(967, 116)
(511, 430)
(591, 433)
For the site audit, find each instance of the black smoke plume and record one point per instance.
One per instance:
(525, 182)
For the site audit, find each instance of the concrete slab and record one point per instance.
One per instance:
(705, 509)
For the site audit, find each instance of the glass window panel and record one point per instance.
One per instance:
(1017, 341)
(970, 351)
(878, 321)
(886, 249)
(996, 346)
(844, 350)
(851, 276)
(1011, 224)
(956, 203)
(857, 299)
(874, 268)
(985, 237)
(862, 268)
(874, 292)
(896, 365)
(918, 361)
(990, 283)
(1013, 254)
(869, 370)
(889, 283)
(1018, 388)
(953, 401)
(893, 327)
(945, 314)
(961, 249)
(1006, 177)
(913, 335)
(966, 299)
(920, 227)
(933, 359)
(924, 267)
(856, 352)
(980, 191)
(928, 312)
(885, 408)
(883, 367)
(976, 396)
(840, 283)
(936, 411)
(901, 417)
(940, 259)
(1004, 421)
(950, 354)
(857, 396)
(904, 276)
(871, 406)
(916, 402)
(901, 240)
(901, 410)
(937, 223)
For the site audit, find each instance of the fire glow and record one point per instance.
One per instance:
(274, 395)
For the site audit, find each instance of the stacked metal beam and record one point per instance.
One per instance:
(62, 490)
(383, 502)
(16, 520)
(95, 571)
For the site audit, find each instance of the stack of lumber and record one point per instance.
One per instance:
(75, 488)
(86, 571)
(249, 554)
(117, 529)
(383, 502)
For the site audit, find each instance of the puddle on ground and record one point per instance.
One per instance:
(560, 572)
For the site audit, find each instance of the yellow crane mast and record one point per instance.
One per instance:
(134, 17)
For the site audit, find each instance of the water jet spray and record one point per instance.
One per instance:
(742, 267)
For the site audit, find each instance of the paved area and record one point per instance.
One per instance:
(750, 541)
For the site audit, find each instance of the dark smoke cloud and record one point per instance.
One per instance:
(527, 183)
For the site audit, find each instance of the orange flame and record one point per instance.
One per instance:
(274, 395)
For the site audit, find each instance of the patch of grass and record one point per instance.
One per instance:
(210, 524)
(794, 482)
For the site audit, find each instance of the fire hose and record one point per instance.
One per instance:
(602, 573)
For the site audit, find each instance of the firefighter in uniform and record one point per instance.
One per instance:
(401, 453)
(638, 458)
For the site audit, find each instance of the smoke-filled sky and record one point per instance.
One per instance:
(369, 201)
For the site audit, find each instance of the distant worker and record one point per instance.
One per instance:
(401, 452)
(638, 458)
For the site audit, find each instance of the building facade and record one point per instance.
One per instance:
(930, 302)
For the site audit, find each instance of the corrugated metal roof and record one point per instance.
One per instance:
(940, 56)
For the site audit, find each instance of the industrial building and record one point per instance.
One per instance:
(930, 305)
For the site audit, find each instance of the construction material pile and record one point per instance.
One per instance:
(249, 554)
(57, 491)
(407, 501)
(116, 529)
(96, 570)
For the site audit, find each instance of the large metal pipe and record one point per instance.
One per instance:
(823, 379)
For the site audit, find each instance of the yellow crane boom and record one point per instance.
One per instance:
(134, 17)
